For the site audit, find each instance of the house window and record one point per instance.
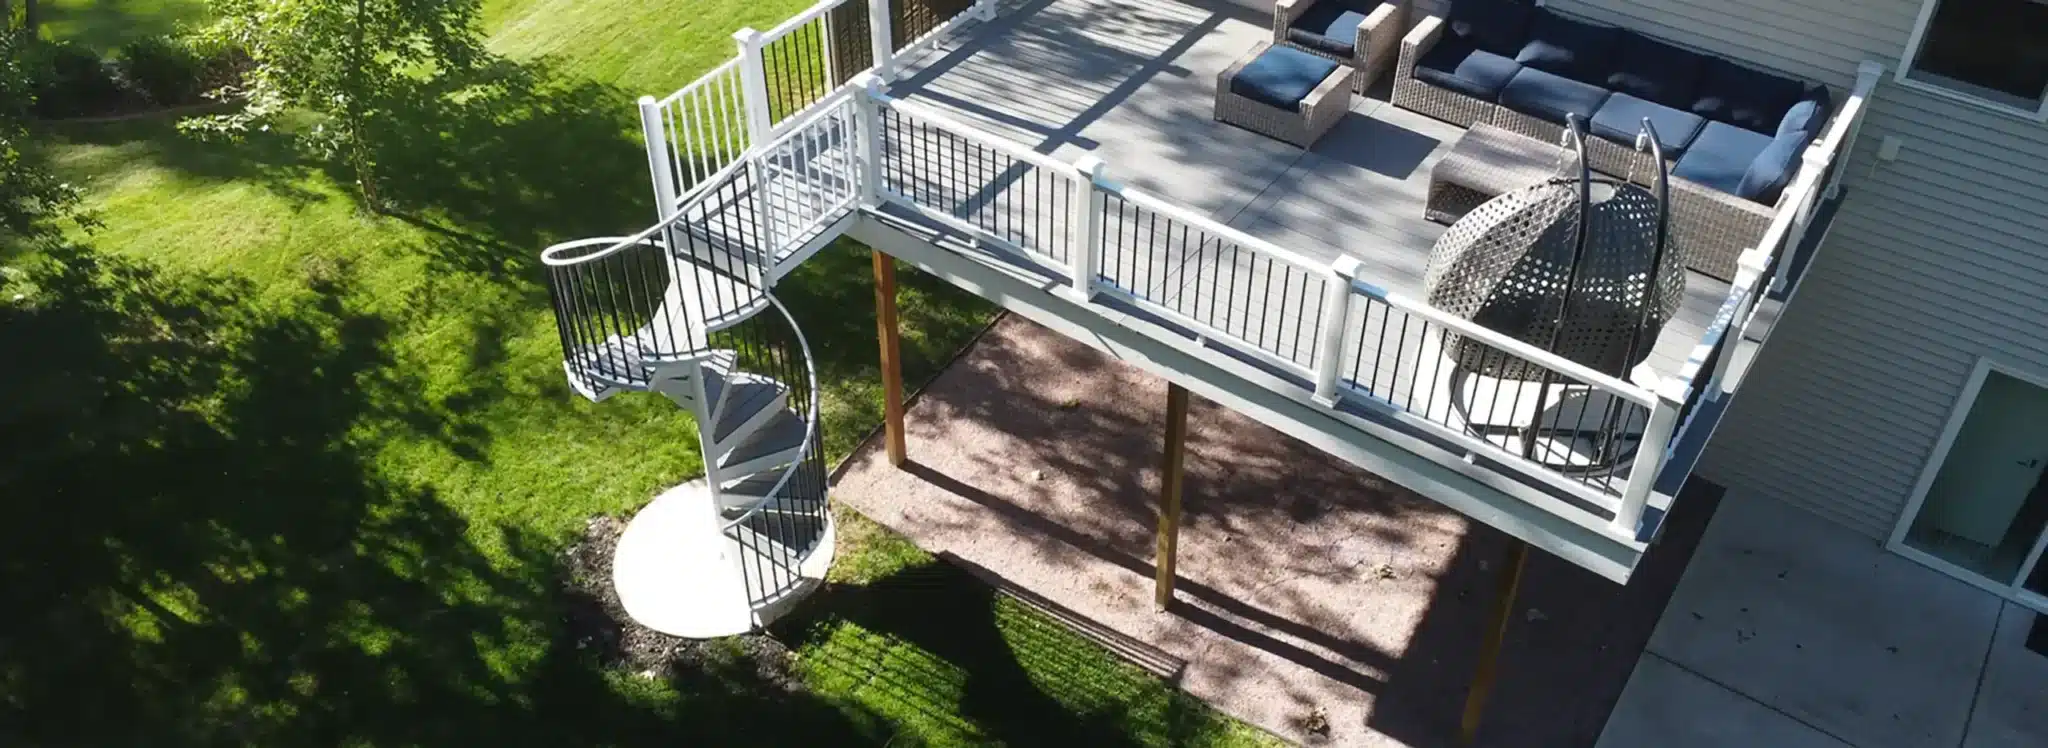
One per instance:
(1991, 50)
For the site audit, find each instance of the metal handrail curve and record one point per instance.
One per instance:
(812, 425)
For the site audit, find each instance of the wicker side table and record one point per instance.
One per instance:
(1315, 115)
(1485, 162)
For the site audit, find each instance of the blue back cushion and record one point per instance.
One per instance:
(1579, 51)
(1808, 115)
(1457, 65)
(1281, 77)
(1329, 26)
(1654, 71)
(1549, 96)
(1772, 169)
(1750, 99)
(1497, 26)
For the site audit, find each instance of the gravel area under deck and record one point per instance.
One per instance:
(1308, 586)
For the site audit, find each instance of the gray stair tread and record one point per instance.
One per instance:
(753, 486)
(782, 434)
(747, 398)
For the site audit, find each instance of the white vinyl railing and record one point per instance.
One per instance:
(1819, 179)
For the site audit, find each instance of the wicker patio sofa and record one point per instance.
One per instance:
(1364, 34)
(1733, 135)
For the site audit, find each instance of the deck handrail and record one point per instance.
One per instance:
(932, 115)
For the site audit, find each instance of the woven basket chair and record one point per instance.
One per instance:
(1575, 265)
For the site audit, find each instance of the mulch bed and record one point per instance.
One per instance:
(598, 624)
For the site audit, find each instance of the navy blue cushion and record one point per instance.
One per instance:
(1808, 115)
(1282, 77)
(1457, 65)
(1579, 51)
(1622, 117)
(1772, 169)
(1652, 70)
(1751, 99)
(1328, 26)
(1549, 96)
(1721, 156)
(1497, 26)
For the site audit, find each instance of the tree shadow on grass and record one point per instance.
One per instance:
(501, 162)
(201, 549)
(949, 653)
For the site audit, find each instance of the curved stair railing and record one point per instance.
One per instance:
(678, 309)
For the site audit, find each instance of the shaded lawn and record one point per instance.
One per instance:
(288, 473)
(107, 24)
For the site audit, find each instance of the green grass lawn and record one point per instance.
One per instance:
(286, 473)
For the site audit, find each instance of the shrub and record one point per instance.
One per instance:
(165, 70)
(72, 81)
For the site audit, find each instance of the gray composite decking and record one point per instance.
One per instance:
(1132, 82)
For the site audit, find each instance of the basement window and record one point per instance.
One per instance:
(1991, 51)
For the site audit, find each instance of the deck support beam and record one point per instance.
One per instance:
(1170, 480)
(890, 334)
(1496, 636)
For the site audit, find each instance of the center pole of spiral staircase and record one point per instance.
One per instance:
(890, 334)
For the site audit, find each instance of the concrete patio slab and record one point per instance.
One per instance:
(1306, 584)
(1669, 707)
(2012, 702)
(1822, 624)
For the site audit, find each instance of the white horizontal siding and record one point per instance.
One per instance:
(1938, 258)
(1818, 40)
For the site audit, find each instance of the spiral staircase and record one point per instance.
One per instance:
(685, 310)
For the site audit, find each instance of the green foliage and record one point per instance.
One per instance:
(72, 81)
(356, 63)
(33, 202)
(166, 70)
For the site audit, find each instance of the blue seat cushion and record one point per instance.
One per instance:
(1721, 156)
(1772, 169)
(1497, 26)
(1549, 96)
(1329, 26)
(1651, 70)
(1282, 77)
(1622, 117)
(1808, 115)
(1579, 51)
(1744, 97)
(1457, 65)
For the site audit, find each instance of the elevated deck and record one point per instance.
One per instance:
(1132, 82)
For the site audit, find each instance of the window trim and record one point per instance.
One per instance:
(1912, 51)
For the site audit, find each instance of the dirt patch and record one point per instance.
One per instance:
(598, 625)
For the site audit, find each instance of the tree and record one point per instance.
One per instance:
(34, 204)
(352, 63)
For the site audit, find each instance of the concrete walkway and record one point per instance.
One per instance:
(1310, 591)
(1791, 631)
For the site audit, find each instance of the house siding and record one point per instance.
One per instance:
(1936, 259)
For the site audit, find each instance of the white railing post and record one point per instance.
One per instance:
(1651, 450)
(760, 127)
(1868, 74)
(659, 161)
(1336, 316)
(867, 103)
(985, 9)
(1085, 221)
(754, 85)
(882, 37)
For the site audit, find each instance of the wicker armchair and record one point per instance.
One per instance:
(1378, 38)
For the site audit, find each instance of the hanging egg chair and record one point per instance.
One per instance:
(1576, 265)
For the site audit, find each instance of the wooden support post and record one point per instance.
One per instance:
(892, 358)
(1496, 636)
(1169, 491)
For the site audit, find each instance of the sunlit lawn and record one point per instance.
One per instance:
(289, 473)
